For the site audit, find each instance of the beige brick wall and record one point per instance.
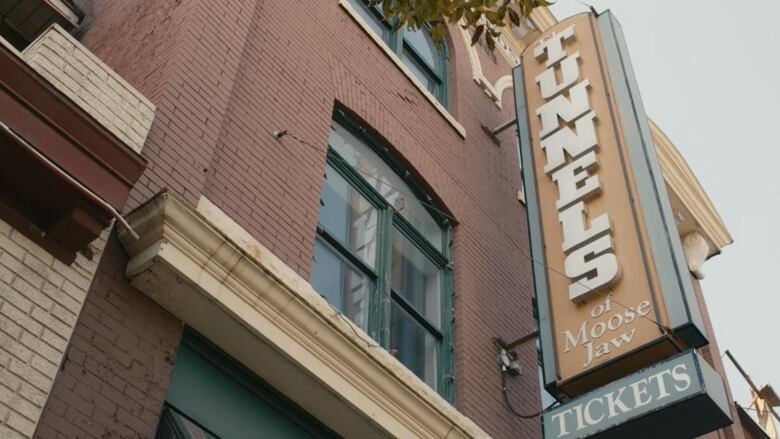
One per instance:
(40, 300)
(91, 84)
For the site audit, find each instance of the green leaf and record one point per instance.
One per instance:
(477, 33)
(469, 14)
(457, 14)
(437, 35)
(491, 43)
(513, 17)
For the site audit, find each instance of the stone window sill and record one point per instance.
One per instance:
(214, 276)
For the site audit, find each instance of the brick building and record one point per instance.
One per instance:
(330, 227)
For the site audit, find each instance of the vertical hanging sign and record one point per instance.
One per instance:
(613, 291)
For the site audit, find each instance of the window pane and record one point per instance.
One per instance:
(195, 431)
(348, 216)
(413, 346)
(369, 17)
(175, 426)
(422, 43)
(376, 172)
(415, 278)
(428, 81)
(343, 286)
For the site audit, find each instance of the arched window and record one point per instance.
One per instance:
(415, 48)
(382, 256)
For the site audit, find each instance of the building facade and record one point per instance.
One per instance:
(322, 231)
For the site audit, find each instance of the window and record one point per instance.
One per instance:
(382, 257)
(415, 48)
(212, 396)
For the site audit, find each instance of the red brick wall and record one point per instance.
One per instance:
(224, 75)
(113, 379)
(713, 356)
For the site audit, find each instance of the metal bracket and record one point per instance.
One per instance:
(501, 344)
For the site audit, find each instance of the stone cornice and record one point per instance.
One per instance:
(542, 18)
(682, 182)
(215, 277)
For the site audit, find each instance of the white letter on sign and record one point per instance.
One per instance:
(570, 73)
(573, 222)
(575, 144)
(591, 268)
(574, 181)
(553, 47)
(681, 377)
(561, 421)
(566, 109)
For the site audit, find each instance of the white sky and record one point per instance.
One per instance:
(709, 73)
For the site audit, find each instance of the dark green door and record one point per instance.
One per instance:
(212, 396)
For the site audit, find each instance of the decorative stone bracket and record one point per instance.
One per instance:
(696, 250)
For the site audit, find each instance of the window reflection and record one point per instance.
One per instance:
(371, 18)
(415, 278)
(348, 217)
(397, 193)
(423, 45)
(413, 346)
(342, 285)
(427, 80)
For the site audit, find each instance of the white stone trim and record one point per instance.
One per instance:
(542, 18)
(493, 91)
(390, 54)
(214, 276)
(502, 83)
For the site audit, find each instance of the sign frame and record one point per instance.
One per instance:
(684, 319)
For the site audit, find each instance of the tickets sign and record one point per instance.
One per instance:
(656, 402)
(612, 286)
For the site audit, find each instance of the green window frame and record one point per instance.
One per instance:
(211, 395)
(176, 425)
(415, 48)
(391, 310)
